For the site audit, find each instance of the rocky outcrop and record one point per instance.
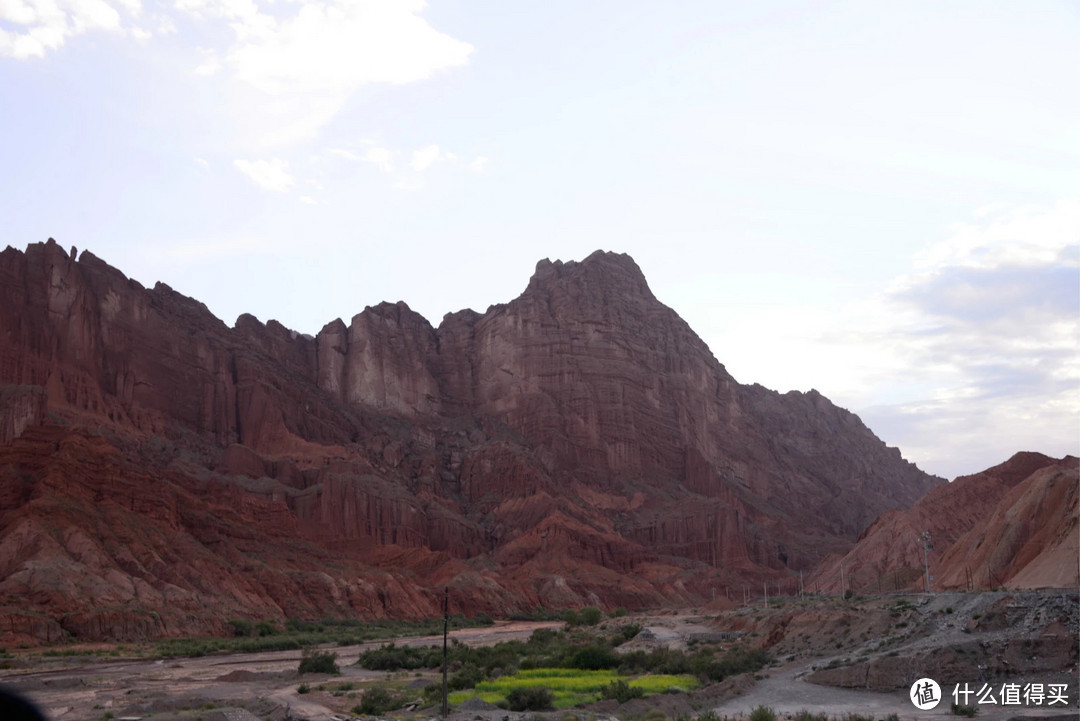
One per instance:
(579, 444)
(1014, 525)
(20, 408)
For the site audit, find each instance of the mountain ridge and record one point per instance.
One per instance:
(577, 444)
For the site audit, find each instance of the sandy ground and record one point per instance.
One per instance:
(67, 690)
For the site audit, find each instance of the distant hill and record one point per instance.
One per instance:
(1015, 525)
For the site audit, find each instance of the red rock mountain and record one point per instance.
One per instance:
(161, 472)
(1016, 525)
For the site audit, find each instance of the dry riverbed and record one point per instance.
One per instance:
(860, 654)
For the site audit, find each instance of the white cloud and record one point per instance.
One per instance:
(45, 25)
(382, 158)
(1023, 237)
(293, 65)
(479, 163)
(424, 158)
(270, 174)
(339, 46)
(302, 62)
(202, 162)
(982, 339)
(969, 356)
(210, 64)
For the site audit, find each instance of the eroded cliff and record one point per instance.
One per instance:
(579, 444)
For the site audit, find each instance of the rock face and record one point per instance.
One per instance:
(1015, 525)
(579, 444)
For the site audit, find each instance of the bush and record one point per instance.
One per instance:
(958, 710)
(266, 628)
(524, 698)
(619, 612)
(763, 713)
(654, 714)
(626, 633)
(805, 715)
(571, 617)
(241, 626)
(621, 691)
(377, 700)
(591, 615)
(592, 658)
(319, 662)
(465, 677)
(303, 688)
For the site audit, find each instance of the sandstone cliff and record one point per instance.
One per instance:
(1011, 526)
(579, 444)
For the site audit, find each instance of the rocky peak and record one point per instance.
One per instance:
(599, 275)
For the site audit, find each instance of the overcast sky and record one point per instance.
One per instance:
(877, 200)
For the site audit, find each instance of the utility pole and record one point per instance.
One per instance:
(445, 633)
(926, 547)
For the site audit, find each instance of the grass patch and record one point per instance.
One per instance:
(571, 687)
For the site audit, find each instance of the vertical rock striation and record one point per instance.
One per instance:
(579, 444)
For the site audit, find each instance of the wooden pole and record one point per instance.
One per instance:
(445, 633)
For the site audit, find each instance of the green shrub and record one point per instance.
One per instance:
(266, 628)
(654, 714)
(465, 677)
(626, 633)
(571, 617)
(241, 626)
(621, 691)
(592, 658)
(591, 615)
(959, 710)
(619, 612)
(763, 713)
(524, 698)
(377, 700)
(319, 662)
(303, 688)
(805, 715)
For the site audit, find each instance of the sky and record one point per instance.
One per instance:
(880, 201)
